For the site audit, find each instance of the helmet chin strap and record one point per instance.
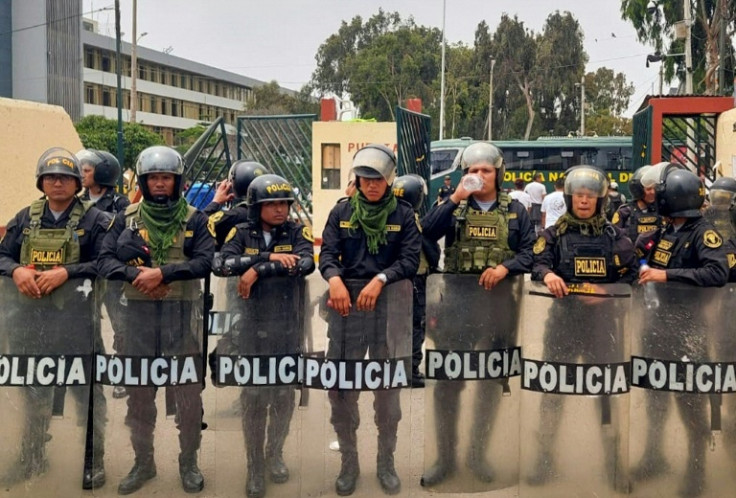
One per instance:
(162, 199)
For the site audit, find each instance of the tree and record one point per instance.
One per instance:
(607, 96)
(271, 99)
(655, 26)
(98, 132)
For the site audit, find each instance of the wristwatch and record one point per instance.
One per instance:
(382, 277)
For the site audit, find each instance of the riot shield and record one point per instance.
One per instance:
(366, 351)
(575, 384)
(256, 370)
(153, 347)
(47, 346)
(472, 366)
(683, 378)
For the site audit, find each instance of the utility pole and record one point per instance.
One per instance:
(118, 66)
(490, 103)
(582, 106)
(442, 74)
(722, 48)
(134, 64)
(688, 49)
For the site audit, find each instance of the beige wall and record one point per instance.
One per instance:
(352, 136)
(27, 130)
(726, 142)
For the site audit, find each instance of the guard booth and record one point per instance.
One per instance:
(679, 129)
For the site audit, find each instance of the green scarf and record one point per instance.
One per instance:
(372, 216)
(594, 225)
(163, 223)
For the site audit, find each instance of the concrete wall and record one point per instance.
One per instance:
(726, 142)
(352, 136)
(27, 130)
(30, 58)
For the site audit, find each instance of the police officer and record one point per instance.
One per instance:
(640, 215)
(413, 189)
(446, 190)
(100, 174)
(162, 287)
(494, 257)
(260, 251)
(55, 239)
(562, 255)
(721, 195)
(234, 189)
(686, 249)
(372, 236)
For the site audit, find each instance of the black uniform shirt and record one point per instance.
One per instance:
(345, 253)
(221, 222)
(694, 254)
(90, 231)
(445, 191)
(548, 252)
(199, 247)
(289, 238)
(110, 202)
(629, 216)
(440, 222)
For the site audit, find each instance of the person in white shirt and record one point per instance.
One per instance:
(520, 195)
(536, 191)
(553, 205)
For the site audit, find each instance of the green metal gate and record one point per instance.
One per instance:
(642, 139)
(413, 140)
(691, 140)
(207, 161)
(284, 145)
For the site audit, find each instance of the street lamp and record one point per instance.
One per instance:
(490, 102)
(134, 63)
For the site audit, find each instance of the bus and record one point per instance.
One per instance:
(550, 156)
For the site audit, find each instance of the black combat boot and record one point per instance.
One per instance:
(254, 431)
(350, 468)
(143, 470)
(94, 476)
(191, 477)
(694, 483)
(255, 483)
(385, 469)
(31, 462)
(280, 411)
(544, 469)
(477, 462)
(444, 467)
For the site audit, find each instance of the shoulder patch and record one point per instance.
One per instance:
(230, 235)
(212, 221)
(307, 234)
(712, 239)
(539, 245)
(616, 218)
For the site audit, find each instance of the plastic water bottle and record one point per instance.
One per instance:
(472, 183)
(651, 301)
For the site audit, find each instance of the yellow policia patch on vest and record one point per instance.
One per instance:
(647, 219)
(712, 239)
(590, 267)
(645, 228)
(345, 224)
(231, 234)
(731, 260)
(393, 228)
(307, 234)
(479, 232)
(539, 245)
(284, 248)
(512, 216)
(616, 218)
(212, 221)
(251, 250)
(47, 257)
(662, 257)
(665, 245)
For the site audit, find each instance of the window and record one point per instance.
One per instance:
(106, 97)
(89, 94)
(89, 58)
(106, 63)
(443, 160)
(330, 166)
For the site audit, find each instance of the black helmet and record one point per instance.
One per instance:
(412, 188)
(681, 194)
(374, 161)
(589, 178)
(265, 188)
(159, 159)
(242, 173)
(484, 152)
(722, 192)
(106, 166)
(635, 186)
(58, 161)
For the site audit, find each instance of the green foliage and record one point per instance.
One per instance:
(269, 99)
(97, 132)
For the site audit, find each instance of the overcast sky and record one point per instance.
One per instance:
(278, 39)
